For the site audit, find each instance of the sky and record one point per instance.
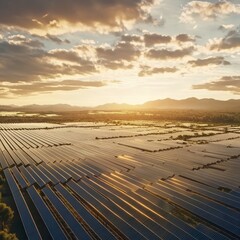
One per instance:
(92, 52)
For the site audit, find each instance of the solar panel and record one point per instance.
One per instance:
(93, 223)
(23, 210)
(49, 220)
(67, 216)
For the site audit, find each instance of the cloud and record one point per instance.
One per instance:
(165, 54)
(131, 38)
(19, 39)
(230, 42)
(68, 55)
(45, 14)
(122, 51)
(22, 89)
(22, 61)
(184, 38)
(206, 10)
(114, 65)
(226, 83)
(224, 27)
(56, 39)
(208, 61)
(151, 39)
(120, 56)
(147, 71)
(149, 19)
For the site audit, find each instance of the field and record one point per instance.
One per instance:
(179, 115)
(123, 179)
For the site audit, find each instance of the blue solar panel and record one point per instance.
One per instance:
(69, 219)
(118, 222)
(94, 224)
(25, 215)
(52, 225)
(21, 181)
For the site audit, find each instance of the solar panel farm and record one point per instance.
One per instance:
(128, 180)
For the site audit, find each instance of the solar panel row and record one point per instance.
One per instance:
(99, 189)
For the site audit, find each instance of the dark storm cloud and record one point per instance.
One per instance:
(22, 89)
(209, 61)
(153, 38)
(226, 83)
(41, 14)
(147, 71)
(164, 54)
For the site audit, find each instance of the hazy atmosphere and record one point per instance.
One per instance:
(93, 52)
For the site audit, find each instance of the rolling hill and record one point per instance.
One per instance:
(161, 104)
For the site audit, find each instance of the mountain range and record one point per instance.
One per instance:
(164, 104)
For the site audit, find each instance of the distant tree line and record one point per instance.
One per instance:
(163, 115)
